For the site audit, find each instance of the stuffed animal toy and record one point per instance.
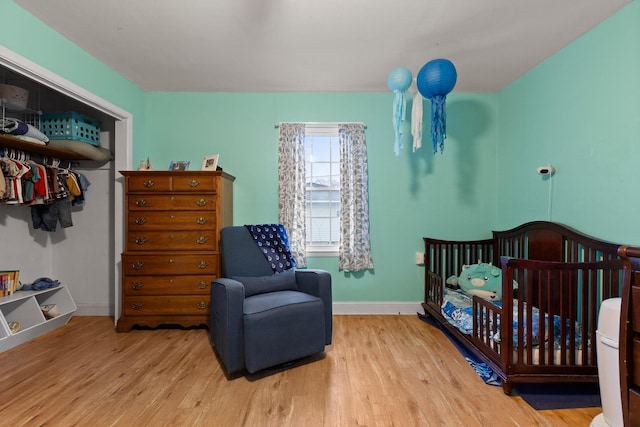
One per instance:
(482, 279)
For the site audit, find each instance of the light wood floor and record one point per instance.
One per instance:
(380, 371)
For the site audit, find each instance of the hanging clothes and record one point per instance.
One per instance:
(49, 190)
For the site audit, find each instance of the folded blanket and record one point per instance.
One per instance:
(87, 150)
(29, 139)
(273, 241)
(12, 126)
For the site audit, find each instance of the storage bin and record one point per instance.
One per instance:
(13, 97)
(71, 125)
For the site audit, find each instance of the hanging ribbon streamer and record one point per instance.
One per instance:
(416, 121)
(435, 80)
(399, 81)
(438, 122)
(399, 107)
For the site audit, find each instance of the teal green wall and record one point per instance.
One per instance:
(27, 36)
(410, 196)
(580, 111)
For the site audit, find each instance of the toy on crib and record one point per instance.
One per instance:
(482, 279)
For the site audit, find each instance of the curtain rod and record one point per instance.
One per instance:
(277, 125)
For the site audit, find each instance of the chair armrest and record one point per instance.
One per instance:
(226, 322)
(318, 283)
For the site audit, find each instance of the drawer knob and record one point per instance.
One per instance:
(203, 264)
(202, 202)
(148, 183)
(137, 305)
(137, 265)
(137, 285)
(141, 202)
(141, 240)
(202, 305)
(201, 220)
(194, 183)
(201, 240)
(202, 285)
(141, 220)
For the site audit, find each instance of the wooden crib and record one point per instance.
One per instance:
(562, 276)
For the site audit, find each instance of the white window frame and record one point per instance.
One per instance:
(324, 130)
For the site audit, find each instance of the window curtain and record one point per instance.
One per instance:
(355, 249)
(291, 188)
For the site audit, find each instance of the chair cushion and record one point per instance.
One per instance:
(285, 281)
(274, 300)
(280, 327)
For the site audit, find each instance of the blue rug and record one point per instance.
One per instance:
(538, 396)
(559, 396)
(481, 368)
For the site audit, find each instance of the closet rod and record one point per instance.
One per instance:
(277, 125)
(17, 154)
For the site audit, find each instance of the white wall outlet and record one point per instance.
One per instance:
(546, 170)
(420, 258)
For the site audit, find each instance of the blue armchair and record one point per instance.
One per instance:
(261, 319)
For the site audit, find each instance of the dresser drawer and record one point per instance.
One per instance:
(149, 202)
(171, 240)
(634, 407)
(635, 314)
(202, 183)
(144, 183)
(169, 264)
(167, 285)
(165, 305)
(178, 182)
(172, 220)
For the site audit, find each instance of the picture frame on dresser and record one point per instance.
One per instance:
(179, 165)
(210, 163)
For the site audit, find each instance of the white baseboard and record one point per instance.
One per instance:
(384, 307)
(377, 307)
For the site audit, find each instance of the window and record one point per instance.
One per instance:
(323, 192)
(322, 185)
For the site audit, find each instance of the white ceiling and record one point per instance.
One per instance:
(318, 45)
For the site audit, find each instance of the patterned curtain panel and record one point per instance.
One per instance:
(291, 188)
(355, 249)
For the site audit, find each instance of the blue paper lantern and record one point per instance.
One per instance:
(435, 80)
(399, 81)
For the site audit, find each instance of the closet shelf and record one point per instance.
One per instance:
(43, 150)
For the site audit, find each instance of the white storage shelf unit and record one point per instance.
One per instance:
(24, 307)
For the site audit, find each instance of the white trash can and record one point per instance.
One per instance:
(607, 341)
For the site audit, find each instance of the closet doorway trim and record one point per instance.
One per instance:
(122, 139)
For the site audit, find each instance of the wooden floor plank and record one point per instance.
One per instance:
(380, 371)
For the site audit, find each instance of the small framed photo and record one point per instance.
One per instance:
(179, 166)
(210, 163)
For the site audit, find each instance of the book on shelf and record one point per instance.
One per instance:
(8, 282)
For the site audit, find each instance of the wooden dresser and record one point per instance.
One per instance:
(629, 345)
(172, 231)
